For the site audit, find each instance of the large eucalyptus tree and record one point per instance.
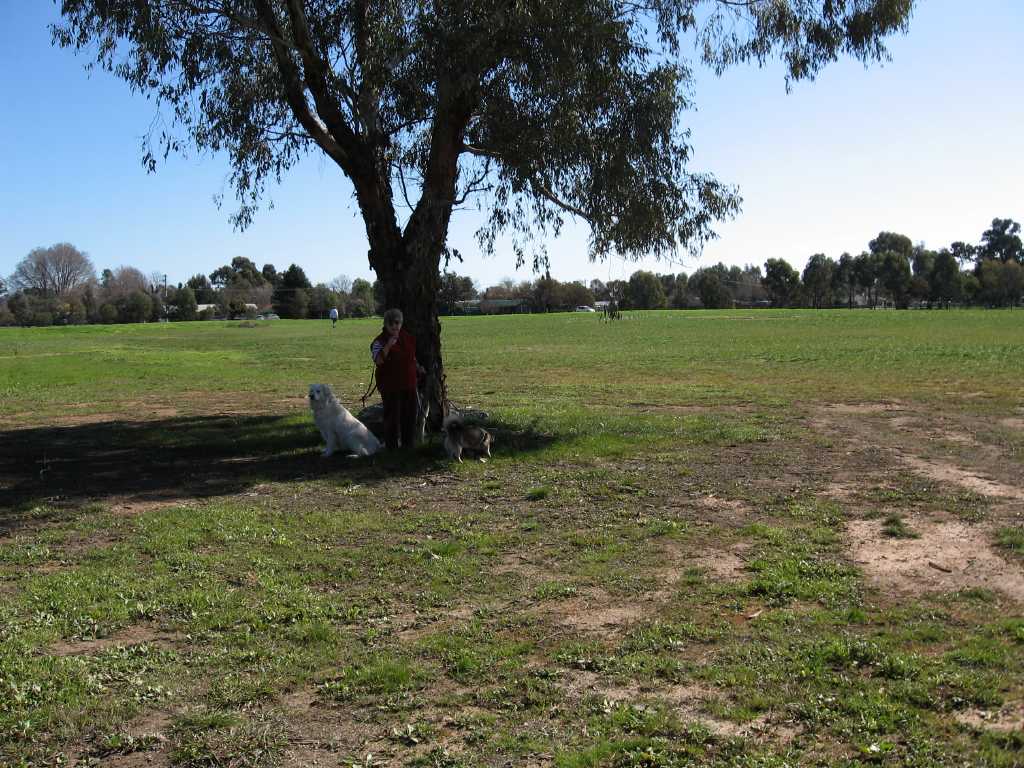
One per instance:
(534, 109)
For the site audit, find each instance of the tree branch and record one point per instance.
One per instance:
(295, 92)
(544, 191)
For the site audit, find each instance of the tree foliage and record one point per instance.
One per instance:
(548, 107)
(455, 288)
(818, 278)
(782, 282)
(644, 291)
(1001, 241)
(58, 270)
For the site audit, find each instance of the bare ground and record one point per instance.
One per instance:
(851, 448)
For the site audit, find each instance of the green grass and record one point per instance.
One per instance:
(651, 571)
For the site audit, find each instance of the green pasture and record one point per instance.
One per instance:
(557, 362)
(652, 570)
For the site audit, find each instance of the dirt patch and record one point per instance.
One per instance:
(580, 684)
(719, 564)
(595, 612)
(413, 627)
(948, 556)
(1014, 423)
(137, 634)
(521, 566)
(723, 565)
(859, 409)
(944, 472)
(1008, 718)
(309, 753)
(840, 491)
(718, 504)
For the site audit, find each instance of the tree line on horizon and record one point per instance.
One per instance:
(59, 286)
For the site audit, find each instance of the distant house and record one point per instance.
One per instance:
(203, 307)
(503, 306)
(491, 306)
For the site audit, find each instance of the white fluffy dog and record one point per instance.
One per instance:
(340, 429)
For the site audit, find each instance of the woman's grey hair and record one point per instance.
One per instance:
(392, 315)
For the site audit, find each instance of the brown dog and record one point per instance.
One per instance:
(460, 437)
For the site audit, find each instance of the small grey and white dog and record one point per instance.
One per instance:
(339, 428)
(460, 437)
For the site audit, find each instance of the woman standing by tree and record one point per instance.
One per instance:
(394, 354)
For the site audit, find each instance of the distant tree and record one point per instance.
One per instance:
(922, 266)
(548, 295)
(108, 313)
(7, 317)
(270, 275)
(42, 317)
(3, 289)
(946, 284)
(747, 285)
(865, 269)
(135, 307)
(185, 303)
(322, 299)
(679, 298)
(58, 270)
(156, 310)
(362, 303)
(124, 282)
(817, 279)
(1002, 242)
(576, 294)
(668, 284)
(454, 288)
(599, 289)
(964, 253)
(893, 242)
(922, 262)
(203, 290)
(782, 282)
(379, 298)
(75, 313)
(644, 291)
(20, 308)
(971, 287)
(240, 283)
(712, 292)
(1001, 282)
(844, 282)
(341, 284)
(291, 296)
(240, 273)
(90, 302)
(895, 276)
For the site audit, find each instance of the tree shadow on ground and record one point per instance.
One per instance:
(47, 472)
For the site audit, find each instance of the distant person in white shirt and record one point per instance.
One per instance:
(333, 314)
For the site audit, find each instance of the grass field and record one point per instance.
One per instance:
(706, 538)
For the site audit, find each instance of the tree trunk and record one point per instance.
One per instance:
(408, 263)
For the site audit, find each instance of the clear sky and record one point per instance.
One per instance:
(928, 145)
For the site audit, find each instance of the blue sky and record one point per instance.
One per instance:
(928, 145)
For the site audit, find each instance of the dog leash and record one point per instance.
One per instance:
(372, 387)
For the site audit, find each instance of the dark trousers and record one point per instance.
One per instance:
(399, 418)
